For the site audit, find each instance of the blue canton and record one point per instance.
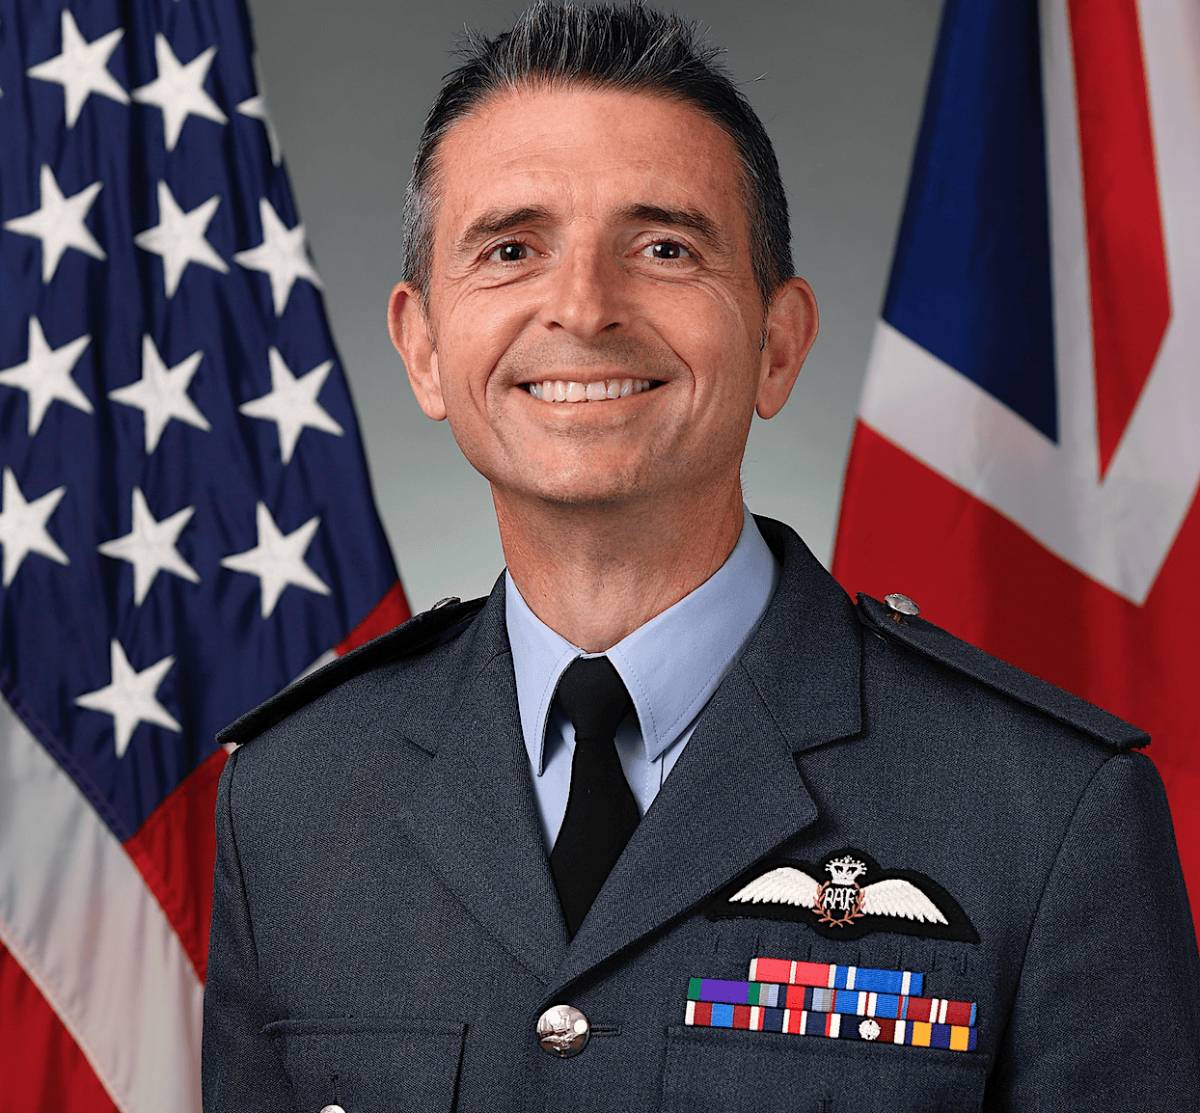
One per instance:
(185, 516)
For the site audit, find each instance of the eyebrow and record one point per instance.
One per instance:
(494, 222)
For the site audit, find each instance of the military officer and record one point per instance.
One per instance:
(667, 821)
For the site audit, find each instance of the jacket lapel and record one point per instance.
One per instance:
(736, 793)
(472, 808)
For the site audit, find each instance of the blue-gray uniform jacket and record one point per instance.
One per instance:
(969, 876)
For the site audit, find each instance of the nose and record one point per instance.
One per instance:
(586, 295)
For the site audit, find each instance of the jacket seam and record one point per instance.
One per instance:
(241, 877)
(1037, 912)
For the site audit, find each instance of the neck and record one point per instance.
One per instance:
(595, 573)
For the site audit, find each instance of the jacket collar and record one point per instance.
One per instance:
(804, 656)
(473, 810)
(670, 665)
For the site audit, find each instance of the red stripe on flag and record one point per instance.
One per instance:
(1130, 296)
(40, 1063)
(979, 575)
(174, 850)
(389, 612)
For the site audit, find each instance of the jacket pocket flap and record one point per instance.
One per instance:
(371, 1064)
(723, 1071)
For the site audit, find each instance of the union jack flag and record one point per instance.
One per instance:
(186, 522)
(1027, 454)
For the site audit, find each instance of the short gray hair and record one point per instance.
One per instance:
(627, 46)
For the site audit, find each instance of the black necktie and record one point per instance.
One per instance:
(601, 809)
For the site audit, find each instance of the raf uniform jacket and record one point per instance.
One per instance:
(386, 932)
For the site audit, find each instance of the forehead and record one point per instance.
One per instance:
(587, 152)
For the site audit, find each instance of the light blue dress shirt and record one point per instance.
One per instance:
(671, 665)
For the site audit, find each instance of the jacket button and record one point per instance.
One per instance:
(333, 1109)
(563, 1030)
(901, 604)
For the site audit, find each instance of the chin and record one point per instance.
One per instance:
(582, 488)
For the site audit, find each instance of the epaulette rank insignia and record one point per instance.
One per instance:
(896, 617)
(442, 622)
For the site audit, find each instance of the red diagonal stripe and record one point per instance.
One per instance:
(175, 848)
(977, 573)
(1131, 301)
(41, 1066)
(390, 611)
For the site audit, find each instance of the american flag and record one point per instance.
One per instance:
(186, 522)
(1027, 455)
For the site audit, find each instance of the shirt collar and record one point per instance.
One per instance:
(671, 664)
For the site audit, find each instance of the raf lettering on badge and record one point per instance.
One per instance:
(846, 896)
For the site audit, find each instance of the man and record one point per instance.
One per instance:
(667, 821)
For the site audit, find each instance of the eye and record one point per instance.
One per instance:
(671, 245)
(511, 256)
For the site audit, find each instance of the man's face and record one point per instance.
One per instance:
(585, 236)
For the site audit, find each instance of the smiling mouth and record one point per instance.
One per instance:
(568, 390)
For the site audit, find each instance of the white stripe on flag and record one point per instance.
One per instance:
(77, 916)
(1119, 528)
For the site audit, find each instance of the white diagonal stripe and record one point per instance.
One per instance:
(77, 916)
(1117, 529)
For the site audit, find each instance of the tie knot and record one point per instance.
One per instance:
(594, 697)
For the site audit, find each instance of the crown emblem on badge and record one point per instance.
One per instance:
(845, 871)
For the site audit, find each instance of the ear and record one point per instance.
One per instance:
(409, 329)
(792, 323)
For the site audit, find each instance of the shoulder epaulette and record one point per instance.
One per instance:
(897, 619)
(441, 623)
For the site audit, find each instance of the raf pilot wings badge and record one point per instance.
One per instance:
(846, 897)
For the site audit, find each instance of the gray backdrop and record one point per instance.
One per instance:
(839, 85)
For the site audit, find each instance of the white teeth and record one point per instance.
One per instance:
(568, 390)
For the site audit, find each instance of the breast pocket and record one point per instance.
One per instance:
(719, 1071)
(371, 1065)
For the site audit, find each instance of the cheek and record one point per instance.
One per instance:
(707, 325)
(723, 366)
(475, 342)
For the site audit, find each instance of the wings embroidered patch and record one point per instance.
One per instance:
(846, 896)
